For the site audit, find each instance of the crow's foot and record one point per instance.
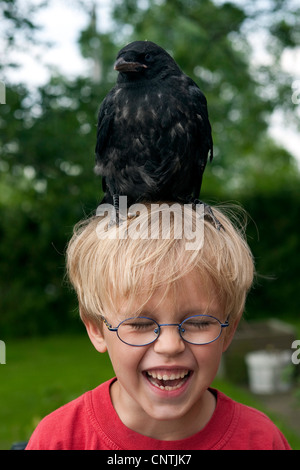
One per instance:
(208, 213)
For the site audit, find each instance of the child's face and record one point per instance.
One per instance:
(135, 397)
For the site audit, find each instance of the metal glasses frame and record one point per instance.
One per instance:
(157, 330)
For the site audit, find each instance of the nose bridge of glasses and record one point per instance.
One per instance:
(170, 324)
(179, 328)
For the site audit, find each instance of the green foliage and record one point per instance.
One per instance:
(276, 245)
(47, 186)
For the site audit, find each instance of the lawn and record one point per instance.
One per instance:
(42, 374)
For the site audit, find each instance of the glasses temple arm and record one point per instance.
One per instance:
(109, 326)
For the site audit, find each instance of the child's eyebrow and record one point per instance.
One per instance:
(213, 311)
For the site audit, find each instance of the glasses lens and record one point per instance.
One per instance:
(138, 331)
(200, 329)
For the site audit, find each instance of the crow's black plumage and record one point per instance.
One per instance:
(154, 136)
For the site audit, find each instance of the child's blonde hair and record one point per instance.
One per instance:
(129, 262)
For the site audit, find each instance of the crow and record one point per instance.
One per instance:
(153, 136)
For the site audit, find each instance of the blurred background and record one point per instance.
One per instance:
(57, 65)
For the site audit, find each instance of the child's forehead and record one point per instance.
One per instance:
(192, 294)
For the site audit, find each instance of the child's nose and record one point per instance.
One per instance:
(169, 341)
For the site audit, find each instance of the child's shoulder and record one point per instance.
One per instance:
(67, 426)
(56, 429)
(251, 428)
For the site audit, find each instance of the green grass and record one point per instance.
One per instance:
(42, 374)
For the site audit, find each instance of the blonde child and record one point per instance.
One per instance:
(163, 294)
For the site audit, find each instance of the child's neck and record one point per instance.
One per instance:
(165, 430)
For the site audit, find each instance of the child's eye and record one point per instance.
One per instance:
(199, 324)
(139, 324)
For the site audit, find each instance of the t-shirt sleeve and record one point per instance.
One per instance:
(42, 437)
(258, 432)
(63, 429)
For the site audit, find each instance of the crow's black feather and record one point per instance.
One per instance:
(154, 136)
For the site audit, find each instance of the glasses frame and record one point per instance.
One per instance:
(179, 325)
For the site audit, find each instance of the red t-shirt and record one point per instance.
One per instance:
(90, 422)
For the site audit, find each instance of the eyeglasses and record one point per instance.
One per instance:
(141, 331)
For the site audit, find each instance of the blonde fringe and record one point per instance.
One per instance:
(107, 273)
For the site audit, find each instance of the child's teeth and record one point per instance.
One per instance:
(154, 377)
(173, 376)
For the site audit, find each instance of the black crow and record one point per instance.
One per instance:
(153, 136)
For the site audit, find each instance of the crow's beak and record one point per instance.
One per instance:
(122, 66)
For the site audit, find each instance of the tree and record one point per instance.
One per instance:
(17, 28)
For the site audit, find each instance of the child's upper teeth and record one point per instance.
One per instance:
(165, 376)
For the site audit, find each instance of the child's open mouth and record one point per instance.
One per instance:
(167, 380)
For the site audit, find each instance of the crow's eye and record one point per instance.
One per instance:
(148, 57)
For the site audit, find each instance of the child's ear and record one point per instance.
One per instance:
(96, 335)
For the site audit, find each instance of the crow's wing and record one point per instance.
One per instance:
(200, 104)
(204, 142)
(104, 128)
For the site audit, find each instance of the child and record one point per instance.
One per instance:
(163, 293)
